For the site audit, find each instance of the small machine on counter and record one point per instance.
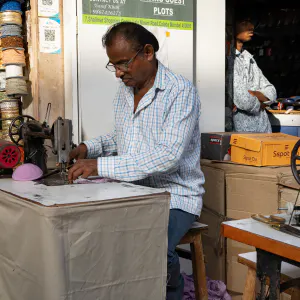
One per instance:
(26, 132)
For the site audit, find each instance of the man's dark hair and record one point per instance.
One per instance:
(131, 32)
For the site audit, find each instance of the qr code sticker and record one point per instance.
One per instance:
(49, 35)
(47, 2)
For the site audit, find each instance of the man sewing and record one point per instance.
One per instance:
(156, 136)
(247, 88)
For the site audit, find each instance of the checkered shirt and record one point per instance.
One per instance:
(159, 144)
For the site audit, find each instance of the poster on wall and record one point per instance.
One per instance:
(49, 33)
(48, 8)
(171, 14)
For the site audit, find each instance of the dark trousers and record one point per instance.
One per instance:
(179, 223)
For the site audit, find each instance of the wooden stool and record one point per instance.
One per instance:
(288, 272)
(193, 237)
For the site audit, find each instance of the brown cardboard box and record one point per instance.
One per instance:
(237, 191)
(262, 149)
(213, 210)
(252, 193)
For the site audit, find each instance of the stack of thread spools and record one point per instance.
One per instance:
(12, 83)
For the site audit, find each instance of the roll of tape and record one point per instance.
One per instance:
(13, 71)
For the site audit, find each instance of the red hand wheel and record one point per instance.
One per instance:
(10, 155)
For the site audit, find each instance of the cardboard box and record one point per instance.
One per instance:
(262, 149)
(215, 145)
(237, 192)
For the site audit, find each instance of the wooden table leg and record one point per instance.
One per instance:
(249, 290)
(199, 269)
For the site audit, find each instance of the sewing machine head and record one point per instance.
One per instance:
(62, 141)
(27, 132)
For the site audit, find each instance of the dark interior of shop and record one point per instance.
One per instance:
(276, 41)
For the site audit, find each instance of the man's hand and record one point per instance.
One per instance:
(260, 96)
(83, 168)
(79, 152)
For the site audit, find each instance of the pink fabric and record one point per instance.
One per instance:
(216, 289)
(27, 172)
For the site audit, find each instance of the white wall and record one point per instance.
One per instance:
(210, 63)
(70, 65)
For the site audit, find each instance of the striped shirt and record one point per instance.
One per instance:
(159, 144)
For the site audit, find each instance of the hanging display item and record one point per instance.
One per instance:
(12, 5)
(10, 17)
(16, 86)
(2, 80)
(3, 96)
(1, 55)
(12, 42)
(13, 56)
(11, 30)
(10, 109)
(13, 71)
(12, 60)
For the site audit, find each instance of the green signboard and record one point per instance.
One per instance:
(173, 14)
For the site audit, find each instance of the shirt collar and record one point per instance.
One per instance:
(160, 78)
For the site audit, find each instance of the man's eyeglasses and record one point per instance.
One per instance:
(122, 66)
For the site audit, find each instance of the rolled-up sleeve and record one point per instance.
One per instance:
(266, 87)
(101, 145)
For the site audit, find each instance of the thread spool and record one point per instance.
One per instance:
(10, 17)
(9, 103)
(12, 5)
(1, 56)
(13, 71)
(6, 137)
(3, 96)
(11, 30)
(6, 125)
(10, 109)
(13, 57)
(12, 42)
(10, 113)
(2, 80)
(16, 86)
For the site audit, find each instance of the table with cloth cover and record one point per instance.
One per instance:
(82, 241)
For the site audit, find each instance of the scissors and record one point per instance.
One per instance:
(277, 223)
(272, 220)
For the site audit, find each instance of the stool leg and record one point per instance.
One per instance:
(199, 269)
(249, 290)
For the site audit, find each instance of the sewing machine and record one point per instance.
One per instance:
(27, 132)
